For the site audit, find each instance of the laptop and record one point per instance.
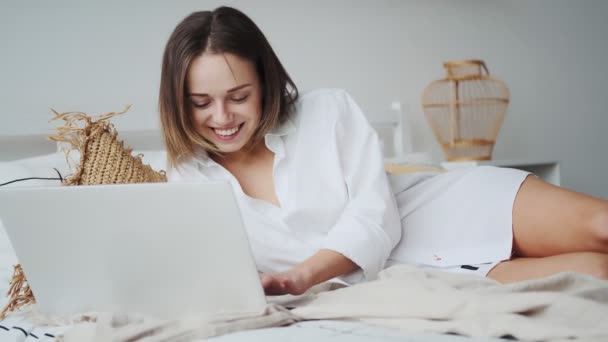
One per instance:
(166, 250)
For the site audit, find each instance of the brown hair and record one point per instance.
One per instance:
(223, 30)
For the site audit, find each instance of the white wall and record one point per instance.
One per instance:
(98, 56)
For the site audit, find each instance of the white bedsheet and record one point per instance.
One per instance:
(415, 301)
(20, 328)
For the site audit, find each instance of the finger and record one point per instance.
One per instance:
(266, 280)
(291, 287)
(278, 286)
(271, 285)
(274, 290)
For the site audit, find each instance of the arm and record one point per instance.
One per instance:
(369, 225)
(322, 266)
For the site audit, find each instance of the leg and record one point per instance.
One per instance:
(595, 264)
(549, 220)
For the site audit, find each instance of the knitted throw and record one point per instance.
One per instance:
(103, 160)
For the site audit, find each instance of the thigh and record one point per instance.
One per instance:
(550, 220)
(518, 269)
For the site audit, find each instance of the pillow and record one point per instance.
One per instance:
(7, 260)
(52, 160)
(16, 174)
(156, 159)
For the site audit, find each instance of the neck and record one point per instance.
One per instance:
(243, 157)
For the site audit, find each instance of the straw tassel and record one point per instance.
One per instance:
(19, 294)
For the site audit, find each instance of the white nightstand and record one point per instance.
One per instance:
(545, 169)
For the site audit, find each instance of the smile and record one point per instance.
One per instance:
(228, 134)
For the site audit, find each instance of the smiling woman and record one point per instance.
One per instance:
(214, 67)
(308, 173)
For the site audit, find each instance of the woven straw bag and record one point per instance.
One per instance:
(103, 160)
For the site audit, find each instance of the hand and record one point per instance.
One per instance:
(322, 266)
(294, 281)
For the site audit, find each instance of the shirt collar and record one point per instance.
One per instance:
(283, 129)
(272, 139)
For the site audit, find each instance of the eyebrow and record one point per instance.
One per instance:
(232, 90)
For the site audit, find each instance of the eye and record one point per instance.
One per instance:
(201, 105)
(239, 99)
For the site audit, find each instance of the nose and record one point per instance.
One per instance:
(222, 115)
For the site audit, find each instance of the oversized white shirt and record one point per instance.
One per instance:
(330, 182)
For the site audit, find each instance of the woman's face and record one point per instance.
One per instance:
(225, 99)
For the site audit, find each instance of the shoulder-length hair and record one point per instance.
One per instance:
(223, 30)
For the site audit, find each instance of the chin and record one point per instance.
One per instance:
(230, 149)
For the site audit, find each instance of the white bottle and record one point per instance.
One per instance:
(404, 151)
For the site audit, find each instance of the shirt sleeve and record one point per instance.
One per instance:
(370, 226)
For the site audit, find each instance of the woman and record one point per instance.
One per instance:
(308, 174)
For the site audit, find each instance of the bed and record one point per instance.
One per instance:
(35, 156)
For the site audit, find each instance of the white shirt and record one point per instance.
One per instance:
(330, 182)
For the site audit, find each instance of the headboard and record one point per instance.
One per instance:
(393, 130)
(23, 146)
(14, 147)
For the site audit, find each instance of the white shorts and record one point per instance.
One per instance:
(481, 270)
(458, 221)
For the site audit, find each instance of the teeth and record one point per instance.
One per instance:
(227, 132)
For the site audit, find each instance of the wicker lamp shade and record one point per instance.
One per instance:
(466, 110)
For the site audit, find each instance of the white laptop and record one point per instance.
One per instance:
(168, 250)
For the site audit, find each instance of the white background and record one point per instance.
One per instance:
(97, 56)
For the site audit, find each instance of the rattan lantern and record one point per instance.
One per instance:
(466, 110)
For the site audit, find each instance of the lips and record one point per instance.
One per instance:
(227, 134)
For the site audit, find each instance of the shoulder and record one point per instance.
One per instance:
(182, 172)
(323, 95)
(325, 103)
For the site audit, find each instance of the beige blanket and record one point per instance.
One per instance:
(564, 306)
